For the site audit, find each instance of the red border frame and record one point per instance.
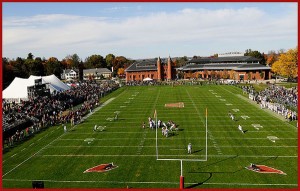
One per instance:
(249, 1)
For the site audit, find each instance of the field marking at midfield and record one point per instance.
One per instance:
(136, 182)
(105, 103)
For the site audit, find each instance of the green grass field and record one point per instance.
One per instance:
(59, 159)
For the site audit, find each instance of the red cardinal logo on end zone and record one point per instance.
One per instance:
(265, 169)
(101, 168)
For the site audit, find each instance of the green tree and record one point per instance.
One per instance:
(109, 59)
(35, 67)
(181, 61)
(71, 61)
(256, 54)
(95, 61)
(30, 56)
(53, 66)
(8, 74)
(19, 68)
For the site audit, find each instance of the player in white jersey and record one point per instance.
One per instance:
(190, 148)
(241, 129)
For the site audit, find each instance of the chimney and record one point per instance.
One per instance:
(158, 69)
(169, 72)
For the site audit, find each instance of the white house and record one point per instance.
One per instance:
(70, 74)
(96, 73)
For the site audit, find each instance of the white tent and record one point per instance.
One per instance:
(54, 83)
(147, 79)
(17, 90)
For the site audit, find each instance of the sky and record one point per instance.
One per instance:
(146, 30)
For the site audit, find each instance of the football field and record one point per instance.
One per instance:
(219, 157)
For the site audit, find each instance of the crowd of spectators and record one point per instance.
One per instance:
(276, 98)
(58, 108)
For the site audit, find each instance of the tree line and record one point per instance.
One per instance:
(37, 66)
(282, 63)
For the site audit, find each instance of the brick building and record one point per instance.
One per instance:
(237, 67)
(156, 69)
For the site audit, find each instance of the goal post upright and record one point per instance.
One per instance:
(181, 186)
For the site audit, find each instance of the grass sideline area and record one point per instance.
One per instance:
(60, 159)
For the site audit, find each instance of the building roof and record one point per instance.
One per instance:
(96, 70)
(204, 60)
(146, 65)
(143, 65)
(225, 66)
(69, 70)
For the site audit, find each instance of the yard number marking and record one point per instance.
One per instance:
(109, 119)
(257, 126)
(89, 140)
(272, 138)
(245, 117)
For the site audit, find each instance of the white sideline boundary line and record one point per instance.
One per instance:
(105, 103)
(164, 182)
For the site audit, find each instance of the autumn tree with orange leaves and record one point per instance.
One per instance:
(287, 64)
